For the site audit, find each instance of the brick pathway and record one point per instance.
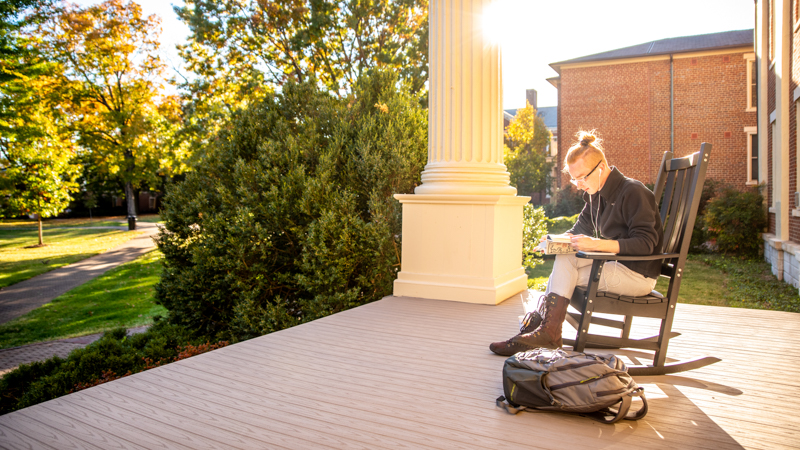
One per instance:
(11, 358)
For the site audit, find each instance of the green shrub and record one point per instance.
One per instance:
(290, 216)
(565, 202)
(534, 228)
(114, 353)
(699, 234)
(735, 219)
(559, 225)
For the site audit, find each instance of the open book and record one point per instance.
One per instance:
(561, 244)
(556, 244)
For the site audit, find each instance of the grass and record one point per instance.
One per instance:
(716, 280)
(150, 218)
(122, 297)
(64, 246)
(114, 221)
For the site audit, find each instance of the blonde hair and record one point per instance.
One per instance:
(589, 146)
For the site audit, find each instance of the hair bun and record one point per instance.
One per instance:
(587, 138)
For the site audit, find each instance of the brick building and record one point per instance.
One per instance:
(778, 91)
(670, 94)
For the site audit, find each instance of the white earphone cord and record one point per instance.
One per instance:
(595, 221)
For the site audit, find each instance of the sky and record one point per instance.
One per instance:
(536, 33)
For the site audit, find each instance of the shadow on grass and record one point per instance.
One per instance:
(122, 297)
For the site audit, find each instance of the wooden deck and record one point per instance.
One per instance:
(414, 373)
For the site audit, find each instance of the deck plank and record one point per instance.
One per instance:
(415, 373)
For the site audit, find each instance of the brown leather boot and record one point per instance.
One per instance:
(548, 334)
(530, 323)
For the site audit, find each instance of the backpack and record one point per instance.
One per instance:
(570, 381)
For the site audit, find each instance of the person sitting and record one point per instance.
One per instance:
(620, 216)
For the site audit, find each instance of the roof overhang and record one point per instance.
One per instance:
(557, 66)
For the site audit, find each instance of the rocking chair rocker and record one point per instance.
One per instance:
(680, 181)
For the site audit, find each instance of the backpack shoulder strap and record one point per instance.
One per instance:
(624, 407)
(503, 404)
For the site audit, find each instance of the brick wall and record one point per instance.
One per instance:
(628, 104)
(794, 222)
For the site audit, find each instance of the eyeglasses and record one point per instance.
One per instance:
(575, 181)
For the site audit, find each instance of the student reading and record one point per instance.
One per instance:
(620, 216)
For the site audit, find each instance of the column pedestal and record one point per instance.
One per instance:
(462, 247)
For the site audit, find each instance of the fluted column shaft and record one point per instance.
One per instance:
(465, 141)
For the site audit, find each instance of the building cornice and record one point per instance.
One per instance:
(662, 57)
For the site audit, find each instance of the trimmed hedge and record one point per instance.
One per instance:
(290, 216)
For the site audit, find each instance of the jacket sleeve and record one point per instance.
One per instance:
(640, 214)
(584, 223)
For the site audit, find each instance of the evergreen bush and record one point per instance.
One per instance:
(534, 228)
(114, 355)
(289, 216)
(559, 225)
(735, 220)
(699, 234)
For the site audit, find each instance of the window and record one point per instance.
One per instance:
(752, 81)
(752, 155)
(795, 14)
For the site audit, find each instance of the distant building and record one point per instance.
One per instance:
(669, 94)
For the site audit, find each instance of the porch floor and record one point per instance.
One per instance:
(416, 373)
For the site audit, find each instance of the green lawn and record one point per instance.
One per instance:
(718, 281)
(149, 218)
(114, 221)
(122, 297)
(64, 246)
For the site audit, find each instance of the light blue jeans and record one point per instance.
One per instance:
(570, 271)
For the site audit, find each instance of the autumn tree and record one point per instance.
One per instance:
(37, 154)
(37, 169)
(113, 78)
(240, 51)
(526, 141)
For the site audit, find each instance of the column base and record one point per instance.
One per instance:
(465, 248)
(461, 289)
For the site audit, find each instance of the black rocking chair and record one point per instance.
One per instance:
(680, 181)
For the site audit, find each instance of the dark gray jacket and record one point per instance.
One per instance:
(627, 214)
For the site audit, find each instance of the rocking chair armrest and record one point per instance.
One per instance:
(616, 257)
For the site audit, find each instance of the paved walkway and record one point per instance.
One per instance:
(19, 299)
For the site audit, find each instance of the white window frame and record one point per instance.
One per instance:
(752, 178)
(750, 63)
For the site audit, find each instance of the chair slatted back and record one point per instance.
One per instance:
(679, 186)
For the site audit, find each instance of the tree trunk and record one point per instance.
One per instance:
(41, 241)
(129, 197)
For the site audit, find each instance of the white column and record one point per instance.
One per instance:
(462, 229)
(780, 157)
(762, 59)
(465, 140)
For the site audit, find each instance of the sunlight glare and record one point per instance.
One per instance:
(502, 22)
